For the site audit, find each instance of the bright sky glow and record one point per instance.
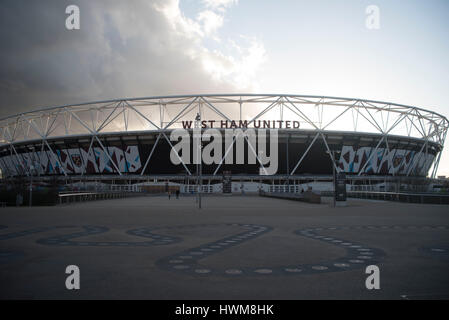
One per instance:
(324, 48)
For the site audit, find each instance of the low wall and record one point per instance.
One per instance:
(402, 196)
(305, 197)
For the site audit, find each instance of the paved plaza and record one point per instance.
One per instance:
(235, 247)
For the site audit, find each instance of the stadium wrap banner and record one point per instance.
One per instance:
(384, 161)
(128, 160)
(73, 160)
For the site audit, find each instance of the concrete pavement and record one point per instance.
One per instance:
(236, 247)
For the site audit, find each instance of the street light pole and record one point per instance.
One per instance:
(334, 174)
(201, 178)
(31, 186)
(199, 165)
(31, 182)
(334, 178)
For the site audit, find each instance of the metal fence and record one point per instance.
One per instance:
(401, 196)
(70, 197)
(428, 198)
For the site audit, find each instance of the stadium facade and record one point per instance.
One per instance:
(129, 139)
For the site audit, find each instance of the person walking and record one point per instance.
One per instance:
(169, 195)
(177, 194)
(19, 200)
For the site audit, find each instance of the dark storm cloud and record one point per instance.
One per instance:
(123, 49)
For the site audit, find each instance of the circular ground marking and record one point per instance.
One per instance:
(341, 265)
(319, 268)
(202, 271)
(181, 267)
(175, 261)
(356, 261)
(264, 271)
(234, 271)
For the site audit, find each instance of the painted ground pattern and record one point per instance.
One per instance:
(357, 255)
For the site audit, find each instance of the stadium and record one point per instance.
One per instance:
(125, 143)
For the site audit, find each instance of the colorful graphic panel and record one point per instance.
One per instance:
(384, 161)
(74, 161)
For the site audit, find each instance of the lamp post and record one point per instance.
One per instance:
(31, 181)
(198, 158)
(334, 175)
(334, 178)
(31, 186)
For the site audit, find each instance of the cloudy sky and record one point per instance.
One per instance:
(161, 47)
